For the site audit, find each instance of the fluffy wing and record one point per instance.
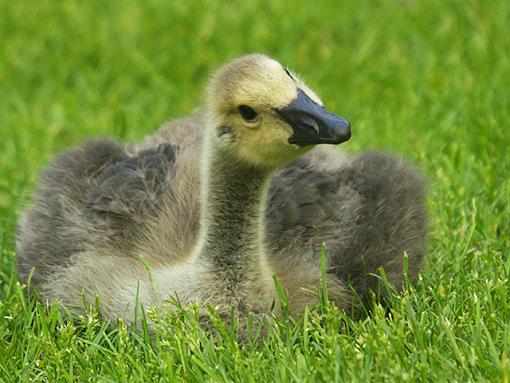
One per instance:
(131, 188)
(368, 212)
(307, 206)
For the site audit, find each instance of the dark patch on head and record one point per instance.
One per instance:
(289, 74)
(224, 129)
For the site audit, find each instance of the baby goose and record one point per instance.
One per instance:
(215, 224)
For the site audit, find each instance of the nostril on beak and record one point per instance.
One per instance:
(310, 124)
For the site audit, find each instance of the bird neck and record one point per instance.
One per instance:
(232, 211)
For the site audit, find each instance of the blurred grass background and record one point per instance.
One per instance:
(427, 79)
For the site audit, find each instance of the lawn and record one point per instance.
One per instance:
(427, 79)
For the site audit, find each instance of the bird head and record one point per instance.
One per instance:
(265, 115)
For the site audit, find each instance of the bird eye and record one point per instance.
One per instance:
(248, 114)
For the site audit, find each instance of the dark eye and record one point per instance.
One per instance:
(248, 114)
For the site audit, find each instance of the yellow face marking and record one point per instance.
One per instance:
(261, 83)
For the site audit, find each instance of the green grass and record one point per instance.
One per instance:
(428, 79)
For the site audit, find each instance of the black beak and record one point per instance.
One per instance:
(312, 124)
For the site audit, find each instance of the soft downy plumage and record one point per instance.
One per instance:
(218, 202)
